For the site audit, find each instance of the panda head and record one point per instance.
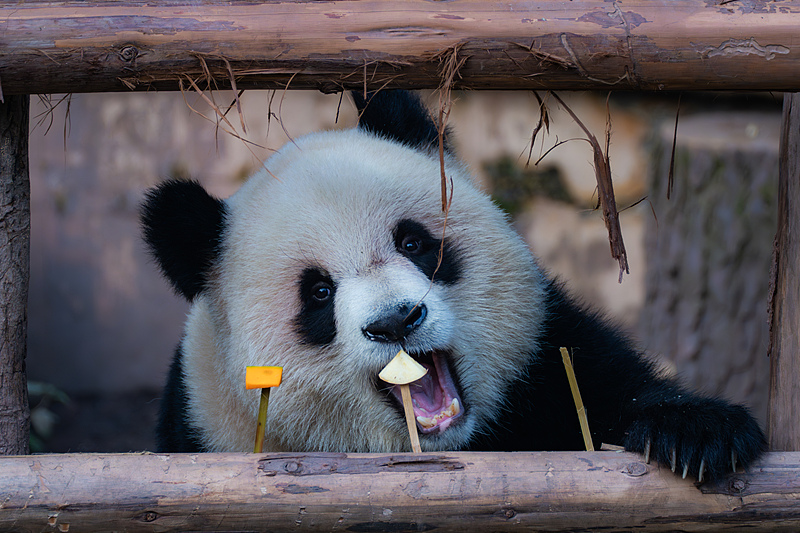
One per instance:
(326, 263)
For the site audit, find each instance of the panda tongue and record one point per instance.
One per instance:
(432, 397)
(427, 394)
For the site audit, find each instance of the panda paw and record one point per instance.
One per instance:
(702, 438)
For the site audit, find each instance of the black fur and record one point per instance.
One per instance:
(183, 228)
(315, 322)
(425, 255)
(174, 432)
(400, 116)
(626, 402)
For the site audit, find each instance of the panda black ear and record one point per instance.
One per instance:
(400, 116)
(182, 226)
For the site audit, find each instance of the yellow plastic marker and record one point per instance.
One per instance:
(402, 370)
(262, 377)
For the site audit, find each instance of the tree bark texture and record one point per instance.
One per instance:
(784, 399)
(451, 492)
(98, 45)
(708, 252)
(14, 270)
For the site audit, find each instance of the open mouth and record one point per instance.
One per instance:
(434, 397)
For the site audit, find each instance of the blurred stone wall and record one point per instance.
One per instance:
(100, 316)
(709, 252)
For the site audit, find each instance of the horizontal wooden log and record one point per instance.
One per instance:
(87, 46)
(403, 492)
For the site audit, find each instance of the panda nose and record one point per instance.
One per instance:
(397, 325)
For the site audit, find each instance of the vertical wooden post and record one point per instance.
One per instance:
(14, 271)
(783, 419)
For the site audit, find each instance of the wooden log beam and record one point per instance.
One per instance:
(97, 45)
(783, 424)
(403, 492)
(15, 226)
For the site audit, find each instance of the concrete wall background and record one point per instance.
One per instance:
(100, 316)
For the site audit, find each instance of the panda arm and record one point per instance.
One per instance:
(627, 401)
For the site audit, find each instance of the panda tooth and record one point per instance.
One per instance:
(454, 408)
(426, 422)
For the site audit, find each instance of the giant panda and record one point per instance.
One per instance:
(337, 254)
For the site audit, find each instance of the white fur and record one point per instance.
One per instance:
(331, 200)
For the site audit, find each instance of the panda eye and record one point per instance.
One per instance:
(321, 291)
(430, 255)
(411, 245)
(316, 320)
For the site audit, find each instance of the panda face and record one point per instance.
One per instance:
(329, 265)
(403, 303)
(386, 303)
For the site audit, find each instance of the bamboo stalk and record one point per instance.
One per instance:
(261, 424)
(576, 396)
(411, 420)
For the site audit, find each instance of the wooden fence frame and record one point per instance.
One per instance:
(87, 46)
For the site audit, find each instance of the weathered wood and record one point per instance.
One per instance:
(404, 492)
(14, 269)
(784, 390)
(85, 46)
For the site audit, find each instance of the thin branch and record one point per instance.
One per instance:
(544, 122)
(451, 64)
(605, 191)
(671, 174)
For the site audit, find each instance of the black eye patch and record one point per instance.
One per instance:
(414, 241)
(315, 323)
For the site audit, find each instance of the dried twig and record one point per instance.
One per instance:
(339, 107)
(237, 94)
(211, 103)
(47, 114)
(544, 122)
(440, 255)
(218, 113)
(450, 64)
(371, 96)
(671, 174)
(605, 190)
(280, 110)
(556, 145)
(235, 102)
